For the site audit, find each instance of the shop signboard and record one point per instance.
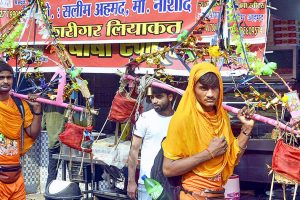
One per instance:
(101, 36)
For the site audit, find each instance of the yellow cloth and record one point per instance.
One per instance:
(191, 130)
(11, 123)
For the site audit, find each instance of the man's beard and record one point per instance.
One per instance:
(161, 108)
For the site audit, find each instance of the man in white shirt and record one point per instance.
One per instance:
(151, 128)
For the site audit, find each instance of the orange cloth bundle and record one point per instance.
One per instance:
(286, 161)
(122, 108)
(72, 136)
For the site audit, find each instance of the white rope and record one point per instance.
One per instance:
(100, 132)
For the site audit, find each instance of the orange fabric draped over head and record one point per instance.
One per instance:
(191, 129)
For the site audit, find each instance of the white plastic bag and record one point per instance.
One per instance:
(105, 151)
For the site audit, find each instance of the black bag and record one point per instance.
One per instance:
(171, 185)
(10, 173)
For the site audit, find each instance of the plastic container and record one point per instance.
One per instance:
(232, 188)
(153, 188)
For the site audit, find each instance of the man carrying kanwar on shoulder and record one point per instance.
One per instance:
(151, 127)
(200, 145)
(11, 148)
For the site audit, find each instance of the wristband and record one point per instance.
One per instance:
(243, 148)
(247, 134)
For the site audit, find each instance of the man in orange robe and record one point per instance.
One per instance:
(11, 178)
(200, 145)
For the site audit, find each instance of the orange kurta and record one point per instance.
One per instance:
(191, 131)
(10, 132)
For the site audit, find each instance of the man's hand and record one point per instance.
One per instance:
(245, 116)
(35, 128)
(217, 146)
(36, 106)
(132, 163)
(132, 190)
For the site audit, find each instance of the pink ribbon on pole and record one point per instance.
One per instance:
(55, 103)
(263, 119)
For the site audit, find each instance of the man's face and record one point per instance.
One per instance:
(161, 101)
(207, 97)
(6, 81)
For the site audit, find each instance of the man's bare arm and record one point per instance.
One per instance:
(35, 128)
(182, 166)
(133, 156)
(245, 116)
(132, 164)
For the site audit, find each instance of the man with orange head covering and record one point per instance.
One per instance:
(11, 145)
(200, 145)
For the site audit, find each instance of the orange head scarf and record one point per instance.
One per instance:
(191, 129)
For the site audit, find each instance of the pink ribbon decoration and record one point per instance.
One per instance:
(54, 103)
(61, 84)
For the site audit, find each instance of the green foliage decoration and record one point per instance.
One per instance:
(9, 42)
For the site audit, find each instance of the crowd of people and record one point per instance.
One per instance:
(199, 144)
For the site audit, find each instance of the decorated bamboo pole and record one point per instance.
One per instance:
(55, 103)
(234, 110)
(263, 119)
(158, 84)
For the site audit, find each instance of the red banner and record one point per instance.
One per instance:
(109, 58)
(113, 21)
(252, 14)
(90, 27)
(121, 21)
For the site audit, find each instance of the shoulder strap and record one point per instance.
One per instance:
(171, 185)
(20, 106)
(156, 170)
